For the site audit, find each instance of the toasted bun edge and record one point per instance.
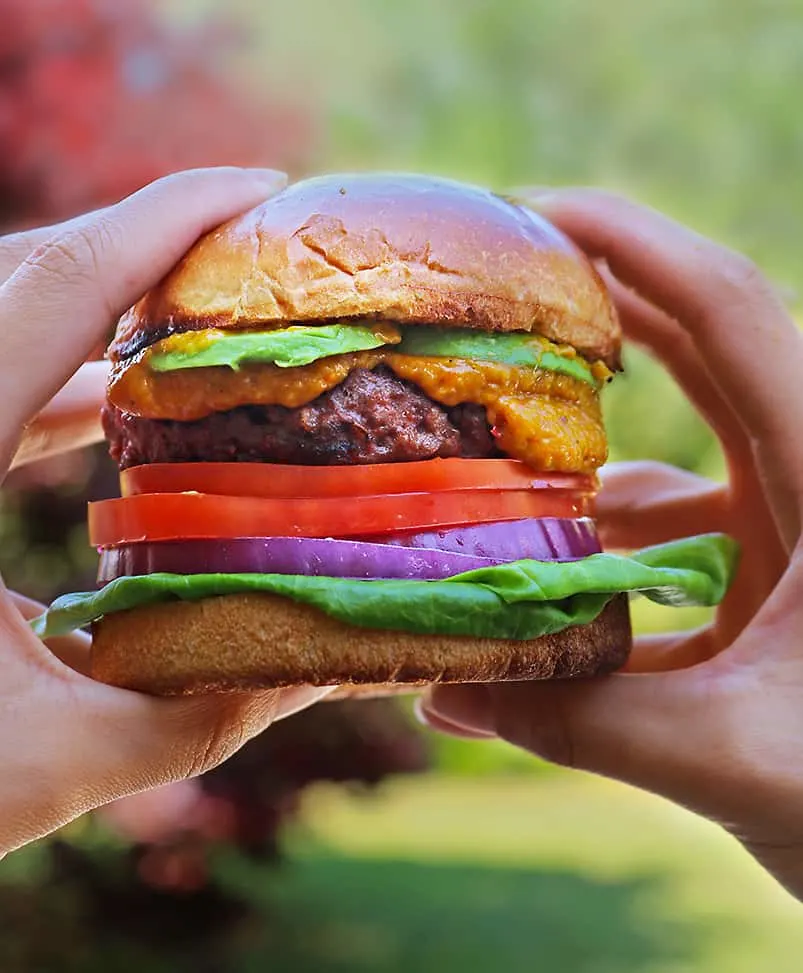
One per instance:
(256, 641)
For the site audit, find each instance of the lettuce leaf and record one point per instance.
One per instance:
(520, 600)
(287, 348)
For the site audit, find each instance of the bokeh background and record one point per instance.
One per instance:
(346, 839)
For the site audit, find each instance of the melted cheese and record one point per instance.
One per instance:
(549, 420)
(194, 393)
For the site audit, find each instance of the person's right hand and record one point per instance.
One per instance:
(712, 719)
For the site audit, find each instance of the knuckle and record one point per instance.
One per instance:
(224, 731)
(58, 260)
(13, 244)
(78, 254)
(215, 745)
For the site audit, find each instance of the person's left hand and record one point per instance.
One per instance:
(711, 718)
(69, 744)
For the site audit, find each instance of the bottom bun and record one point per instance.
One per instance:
(255, 641)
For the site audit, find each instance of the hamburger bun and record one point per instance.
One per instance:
(411, 250)
(252, 641)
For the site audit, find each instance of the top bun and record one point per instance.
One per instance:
(405, 248)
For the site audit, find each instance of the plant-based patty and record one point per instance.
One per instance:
(371, 417)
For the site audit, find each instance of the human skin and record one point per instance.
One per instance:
(69, 744)
(710, 719)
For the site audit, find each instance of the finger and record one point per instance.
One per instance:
(717, 295)
(644, 503)
(71, 420)
(149, 741)
(434, 722)
(762, 564)
(746, 490)
(676, 733)
(72, 650)
(62, 298)
(645, 324)
(112, 743)
(747, 339)
(16, 247)
(669, 651)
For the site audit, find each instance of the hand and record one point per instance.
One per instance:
(68, 744)
(712, 719)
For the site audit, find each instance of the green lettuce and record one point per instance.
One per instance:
(520, 600)
(302, 345)
(287, 348)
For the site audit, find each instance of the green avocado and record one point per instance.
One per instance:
(287, 348)
(508, 349)
(300, 345)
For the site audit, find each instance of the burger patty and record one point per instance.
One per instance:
(371, 417)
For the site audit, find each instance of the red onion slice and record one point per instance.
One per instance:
(284, 555)
(543, 539)
(423, 556)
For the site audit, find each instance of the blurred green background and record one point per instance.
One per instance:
(493, 861)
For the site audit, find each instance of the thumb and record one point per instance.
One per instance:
(134, 742)
(63, 297)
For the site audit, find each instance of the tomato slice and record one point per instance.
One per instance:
(172, 516)
(277, 480)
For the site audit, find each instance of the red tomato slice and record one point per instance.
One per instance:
(277, 480)
(171, 516)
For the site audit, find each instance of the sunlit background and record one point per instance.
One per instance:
(346, 839)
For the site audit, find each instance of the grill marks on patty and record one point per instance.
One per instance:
(371, 417)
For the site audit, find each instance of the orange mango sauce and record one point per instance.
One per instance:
(551, 421)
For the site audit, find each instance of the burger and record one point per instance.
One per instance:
(358, 431)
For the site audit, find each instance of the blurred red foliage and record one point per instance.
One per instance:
(98, 97)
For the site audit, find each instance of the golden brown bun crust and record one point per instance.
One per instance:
(251, 641)
(411, 249)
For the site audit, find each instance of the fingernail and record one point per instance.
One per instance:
(272, 179)
(432, 721)
(299, 697)
(467, 707)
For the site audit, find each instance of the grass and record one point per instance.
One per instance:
(561, 872)
(339, 915)
(565, 872)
